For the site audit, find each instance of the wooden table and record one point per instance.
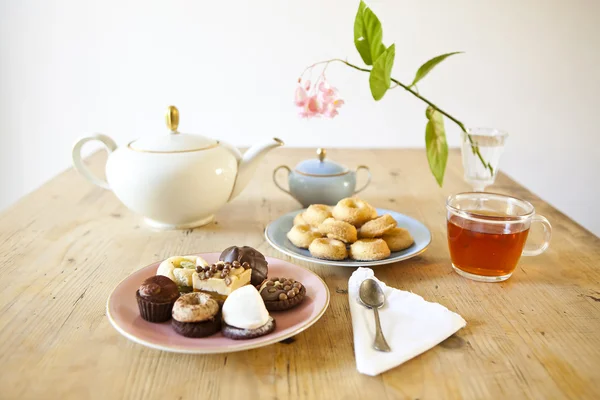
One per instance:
(64, 247)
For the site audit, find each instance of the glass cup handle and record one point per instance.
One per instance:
(547, 235)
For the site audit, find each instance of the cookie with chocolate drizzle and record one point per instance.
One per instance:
(253, 257)
(281, 294)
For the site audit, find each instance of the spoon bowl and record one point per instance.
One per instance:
(371, 294)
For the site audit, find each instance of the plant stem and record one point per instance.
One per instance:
(474, 147)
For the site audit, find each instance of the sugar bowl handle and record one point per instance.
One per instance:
(275, 177)
(78, 161)
(368, 178)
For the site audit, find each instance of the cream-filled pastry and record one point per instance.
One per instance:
(245, 309)
(181, 268)
(221, 278)
(245, 315)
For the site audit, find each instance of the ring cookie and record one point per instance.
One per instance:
(354, 211)
(328, 249)
(339, 230)
(377, 227)
(398, 239)
(369, 250)
(299, 219)
(196, 315)
(373, 211)
(316, 213)
(281, 294)
(302, 236)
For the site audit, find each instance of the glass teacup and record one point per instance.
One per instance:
(487, 234)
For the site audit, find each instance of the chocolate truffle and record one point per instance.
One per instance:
(156, 297)
(252, 256)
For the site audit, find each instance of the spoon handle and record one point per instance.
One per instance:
(380, 343)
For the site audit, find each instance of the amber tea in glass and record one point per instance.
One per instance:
(487, 234)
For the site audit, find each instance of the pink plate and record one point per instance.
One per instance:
(123, 313)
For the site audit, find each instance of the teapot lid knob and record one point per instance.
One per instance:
(172, 118)
(321, 153)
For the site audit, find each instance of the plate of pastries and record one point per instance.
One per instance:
(217, 302)
(351, 233)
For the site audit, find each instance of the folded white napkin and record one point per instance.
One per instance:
(410, 325)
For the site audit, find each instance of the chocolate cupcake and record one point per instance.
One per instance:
(196, 315)
(253, 257)
(281, 294)
(156, 297)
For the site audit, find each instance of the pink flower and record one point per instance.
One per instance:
(301, 96)
(314, 105)
(326, 91)
(305, 113)
(330, 109)
(317, 101)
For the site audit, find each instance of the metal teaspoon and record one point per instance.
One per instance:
(371, 295)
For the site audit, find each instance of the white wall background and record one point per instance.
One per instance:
(71, 67)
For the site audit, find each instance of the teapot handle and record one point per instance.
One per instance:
(80, 165)
(275, 177)
(368, 179)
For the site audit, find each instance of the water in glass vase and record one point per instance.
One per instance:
(490, 143)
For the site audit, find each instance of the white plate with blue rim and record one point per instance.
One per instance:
(276, 235)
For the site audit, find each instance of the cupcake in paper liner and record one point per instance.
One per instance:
(156, 297)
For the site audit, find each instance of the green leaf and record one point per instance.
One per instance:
(368, 34)
(381, 73)
(437, 147)
(429, 65)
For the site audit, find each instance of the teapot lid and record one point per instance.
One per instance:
(320, 167)
(174, 142)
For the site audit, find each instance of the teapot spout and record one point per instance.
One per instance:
(247, 165)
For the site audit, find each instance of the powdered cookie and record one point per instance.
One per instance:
(398, 239)
(316, 213)
(328, 249)
(369, 250)
(352, 210)
(302, 236)
(373, 210)
(378, 226)
(339, 230)
(299, 220)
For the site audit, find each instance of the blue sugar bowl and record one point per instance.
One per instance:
(321, 181)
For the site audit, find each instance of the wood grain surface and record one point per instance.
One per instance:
(64, 247)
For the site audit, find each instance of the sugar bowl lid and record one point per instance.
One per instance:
(173, 142)
(320, 166)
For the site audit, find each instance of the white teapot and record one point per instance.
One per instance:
(177, 180)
